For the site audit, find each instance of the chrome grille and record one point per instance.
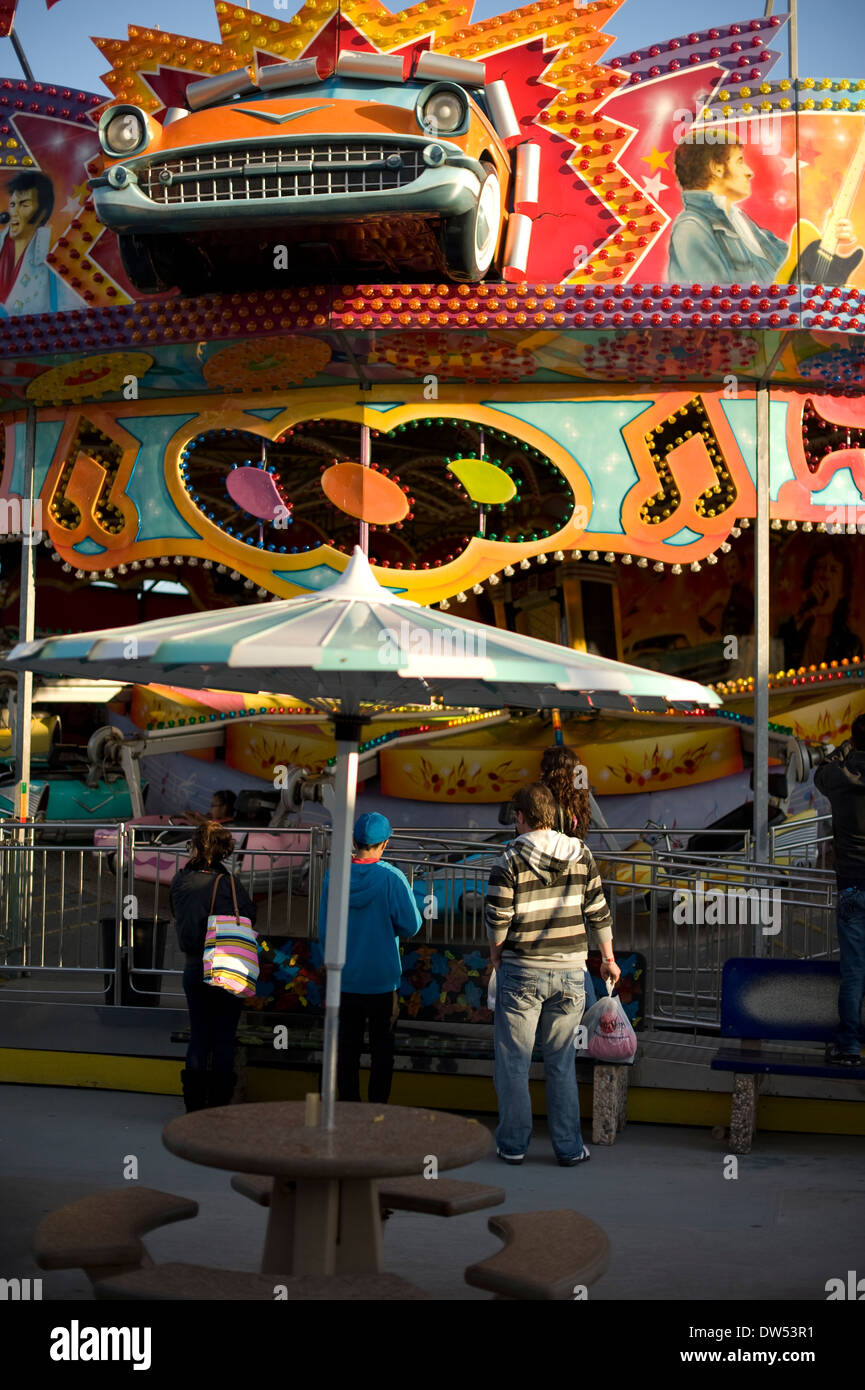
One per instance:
(253, 172)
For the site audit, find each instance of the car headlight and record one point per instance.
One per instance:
(124, 133)
(443, 110)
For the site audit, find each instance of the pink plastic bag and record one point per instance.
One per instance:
(610, 1037)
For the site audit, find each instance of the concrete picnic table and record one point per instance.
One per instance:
(324, 1212)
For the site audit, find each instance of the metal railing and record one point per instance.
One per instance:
(85, 910)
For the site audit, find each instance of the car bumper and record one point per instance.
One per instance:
(446, 191)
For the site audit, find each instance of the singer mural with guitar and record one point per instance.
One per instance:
(713, 240)
(28, 285)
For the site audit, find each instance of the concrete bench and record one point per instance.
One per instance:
(101, 1234)
(547, 1255)
(170, 1283)
(782, 1001)
(609, 1080)
(454, 971)
(435, 1196)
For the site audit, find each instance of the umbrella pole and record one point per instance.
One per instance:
(347, 730)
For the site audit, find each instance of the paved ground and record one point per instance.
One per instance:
(792, 1219)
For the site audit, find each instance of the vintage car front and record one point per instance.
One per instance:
(291, 165)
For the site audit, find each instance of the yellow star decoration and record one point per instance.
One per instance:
(571, 35)
(657, 159)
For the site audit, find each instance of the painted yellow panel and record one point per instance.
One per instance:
(469, 775)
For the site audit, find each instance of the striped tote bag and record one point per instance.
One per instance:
(230, 949)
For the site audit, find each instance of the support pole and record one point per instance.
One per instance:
(20, 54)
(365, 459)
(26, 619)
(347, 738)
(761, 645)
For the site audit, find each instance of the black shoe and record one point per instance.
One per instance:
(842, 1059)
(194, 1085)
(514, 1159)
(220, 1089)
(572, 1162)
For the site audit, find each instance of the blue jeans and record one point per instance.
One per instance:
(850, 918)
(525, 995)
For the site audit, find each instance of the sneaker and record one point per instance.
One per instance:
(842, 1059)
(582, 1157)
(510, 1158)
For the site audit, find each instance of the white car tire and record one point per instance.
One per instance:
(470, 241)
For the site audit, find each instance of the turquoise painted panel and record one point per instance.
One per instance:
(840, 491)
(591, 432)
(684, 537)
(47, 436)
(742, 419)
(158, 516)
(320, 577)
(269, 413)
(89, 547)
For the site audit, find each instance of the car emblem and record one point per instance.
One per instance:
(289, 115)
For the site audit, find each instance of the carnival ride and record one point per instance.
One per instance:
(495, 444)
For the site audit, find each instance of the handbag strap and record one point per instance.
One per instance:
(233, 895)
(213, 895)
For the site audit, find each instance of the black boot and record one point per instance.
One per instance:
(194, 1090)
(220, 1088)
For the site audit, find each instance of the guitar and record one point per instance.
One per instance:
(812, 258)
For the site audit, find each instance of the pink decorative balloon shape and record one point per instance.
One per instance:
(256, 492)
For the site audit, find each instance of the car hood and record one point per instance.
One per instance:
(311, 112)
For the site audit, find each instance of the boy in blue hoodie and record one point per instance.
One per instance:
(381, 908)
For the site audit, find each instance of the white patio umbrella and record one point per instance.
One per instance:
(348, 648)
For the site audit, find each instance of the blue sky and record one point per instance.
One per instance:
(57, 43)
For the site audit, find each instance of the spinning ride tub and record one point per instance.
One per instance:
(266, 861)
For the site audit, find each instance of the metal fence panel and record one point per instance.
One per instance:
(84, 915)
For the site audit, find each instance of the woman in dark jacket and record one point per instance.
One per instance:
(203, 887)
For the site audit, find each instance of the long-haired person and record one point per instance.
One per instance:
(204, 886)
(566, 778)
(559, 774)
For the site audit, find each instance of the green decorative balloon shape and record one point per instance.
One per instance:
(483, 481)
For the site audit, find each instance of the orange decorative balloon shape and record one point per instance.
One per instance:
(364, 493)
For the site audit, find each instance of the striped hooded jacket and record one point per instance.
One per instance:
(545, 903)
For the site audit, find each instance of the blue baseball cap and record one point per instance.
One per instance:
(372, 828)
